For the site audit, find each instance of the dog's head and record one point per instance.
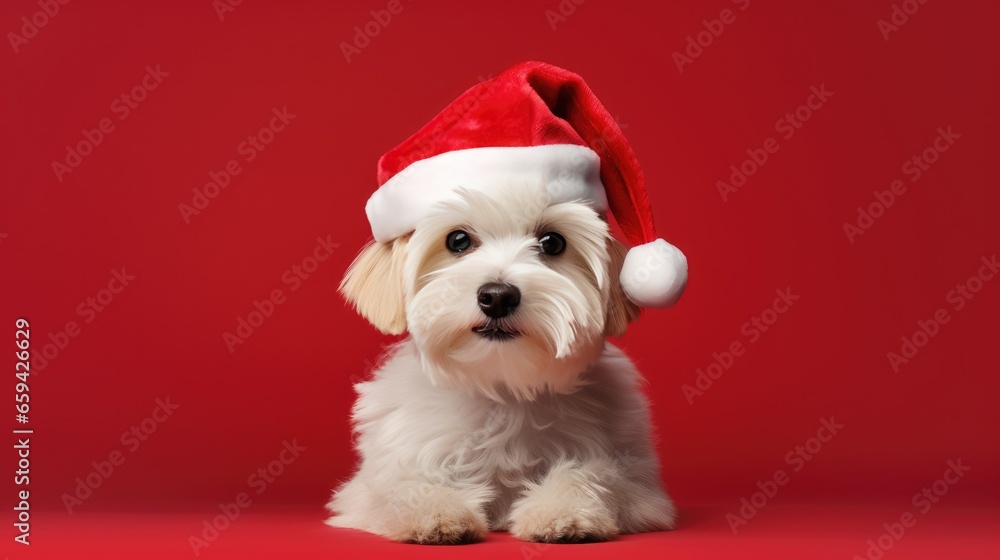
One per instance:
(504, 293)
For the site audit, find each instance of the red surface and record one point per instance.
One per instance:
(163, 335)
(783, 531)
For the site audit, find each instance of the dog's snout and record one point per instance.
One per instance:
(498, 300)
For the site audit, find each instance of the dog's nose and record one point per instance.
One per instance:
(498, 300)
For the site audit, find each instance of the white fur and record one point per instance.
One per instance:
(546, 435)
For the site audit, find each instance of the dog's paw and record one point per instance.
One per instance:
(570, 504)
(439, 516)
(447, 528)
(563, 523)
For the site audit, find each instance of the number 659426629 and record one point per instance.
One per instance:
(22, 368)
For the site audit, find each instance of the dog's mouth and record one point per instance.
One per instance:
(492, 331)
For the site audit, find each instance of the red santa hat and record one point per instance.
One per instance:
(534, 121)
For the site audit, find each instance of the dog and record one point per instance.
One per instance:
(505, 407)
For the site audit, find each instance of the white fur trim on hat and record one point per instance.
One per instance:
(654, 274)
(569, 172)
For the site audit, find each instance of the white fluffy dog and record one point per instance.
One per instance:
(505, 408)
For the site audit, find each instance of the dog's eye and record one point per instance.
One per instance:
(552, 243)
(458, 241)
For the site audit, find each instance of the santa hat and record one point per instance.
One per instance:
(534, 121)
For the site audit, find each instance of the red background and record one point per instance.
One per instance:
(826, 356)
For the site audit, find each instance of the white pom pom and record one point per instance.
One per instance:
(654, 274)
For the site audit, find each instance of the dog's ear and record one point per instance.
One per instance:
(374, 285)
(621, 311)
